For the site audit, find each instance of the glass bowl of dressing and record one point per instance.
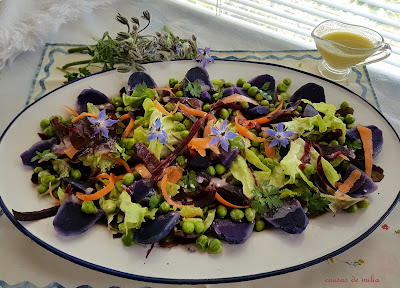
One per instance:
(343, 46)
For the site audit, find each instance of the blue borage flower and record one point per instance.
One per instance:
(221, 136)
(157, 133)
(280, 136)
(204, 56)
(101, 124)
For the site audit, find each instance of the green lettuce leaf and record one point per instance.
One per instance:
(62, 167)
(241, 172)
(134, 213)
(138, 96)
(337, 204)
(252, 158)
(95, 161)
(188, 211)
(172, 188)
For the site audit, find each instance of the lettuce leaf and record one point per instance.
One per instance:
(189, 211)
(95, 161)
(337, 204)
(62, 167)
(252, 158)
(139, 95)
(134, 213)
(172, 188)
(241, 172)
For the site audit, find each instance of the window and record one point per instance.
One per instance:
(295, 19)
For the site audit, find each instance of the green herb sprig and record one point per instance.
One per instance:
(266, 198)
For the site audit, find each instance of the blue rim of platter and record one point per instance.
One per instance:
(200, 281)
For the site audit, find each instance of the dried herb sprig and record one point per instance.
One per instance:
(128, 50)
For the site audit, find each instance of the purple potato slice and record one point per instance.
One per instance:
(232, 232)
(90, 96)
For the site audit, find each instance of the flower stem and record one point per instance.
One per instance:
(78, 63)
(77, 49)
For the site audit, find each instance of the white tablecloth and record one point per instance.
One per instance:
(23, 260)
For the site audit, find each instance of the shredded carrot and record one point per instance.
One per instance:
(72, 110)
(269, 151)
(239, 98)
(52, 196)
(93, 115)
(266, 119)
(350, 181)
(207, 129)
(100, 193)
(119, 161)
(344, 157)
(192, 111)
(226, 203)
(123, 117)
(162, 109)
(366, 139)
(165, 89)
(239, 115)
(165, 194)
(246, 133)
(128, 128)
(174, 173)
(142, 170)
(70, 151)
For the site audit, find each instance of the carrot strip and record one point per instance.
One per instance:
(173, 174)
(72, 110)
(70, 151)
(207, 129)
(366, 139)
(142, 170)
(246, 133)
(226, 203)
(269, 151)
(165, 194)
(162, 109)
(266, 119)
(165, 89)
(350, 181)
(123, 117)
(239, 98)
(344, 157)
(239, 115)
(100, 193)
(119, 161)
(192, 111)
(128, 128)
(52, 196)
(93, 115)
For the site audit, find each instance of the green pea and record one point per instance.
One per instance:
(128, 108)
(199, 227)
(349, 126)
(236, 214)
(49, 131)
(215, 246)
(287, 81)
(363, 204)
(246, 86)
(334, 142)
(223, 113)
(128, 179)
(184, 133)
(264, 102)
(164, 207)
(250, 214)
(127, 239)
(202, 242)
(271, 109)
(172, 82)
(117, 101)
(188, 124)
(240, 82)
(220, 169)
(299, 109)
(259, 97)
(109, 206)
(45, 180)
(234, 113)
(169, 106)
(41, 188)
(180, 127)
(349, 119)
(244, 105)
(178, 116)
(206, 107)
(281, 87)
(118, 186)
(181, 160)
(37, 170)
(344, 105)
(253, 90)
(188, 227)
(259, 225)
(76, 174)
(119, 109)
(211, 170)
(178, 86)
(43, 173)
(179, 93)
(88, 207)
(352, 209)
(255, 143)
(285, 96)
(155, 201)
(221, 211)
(44, 124)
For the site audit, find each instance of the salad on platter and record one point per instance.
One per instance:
(201, 160)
